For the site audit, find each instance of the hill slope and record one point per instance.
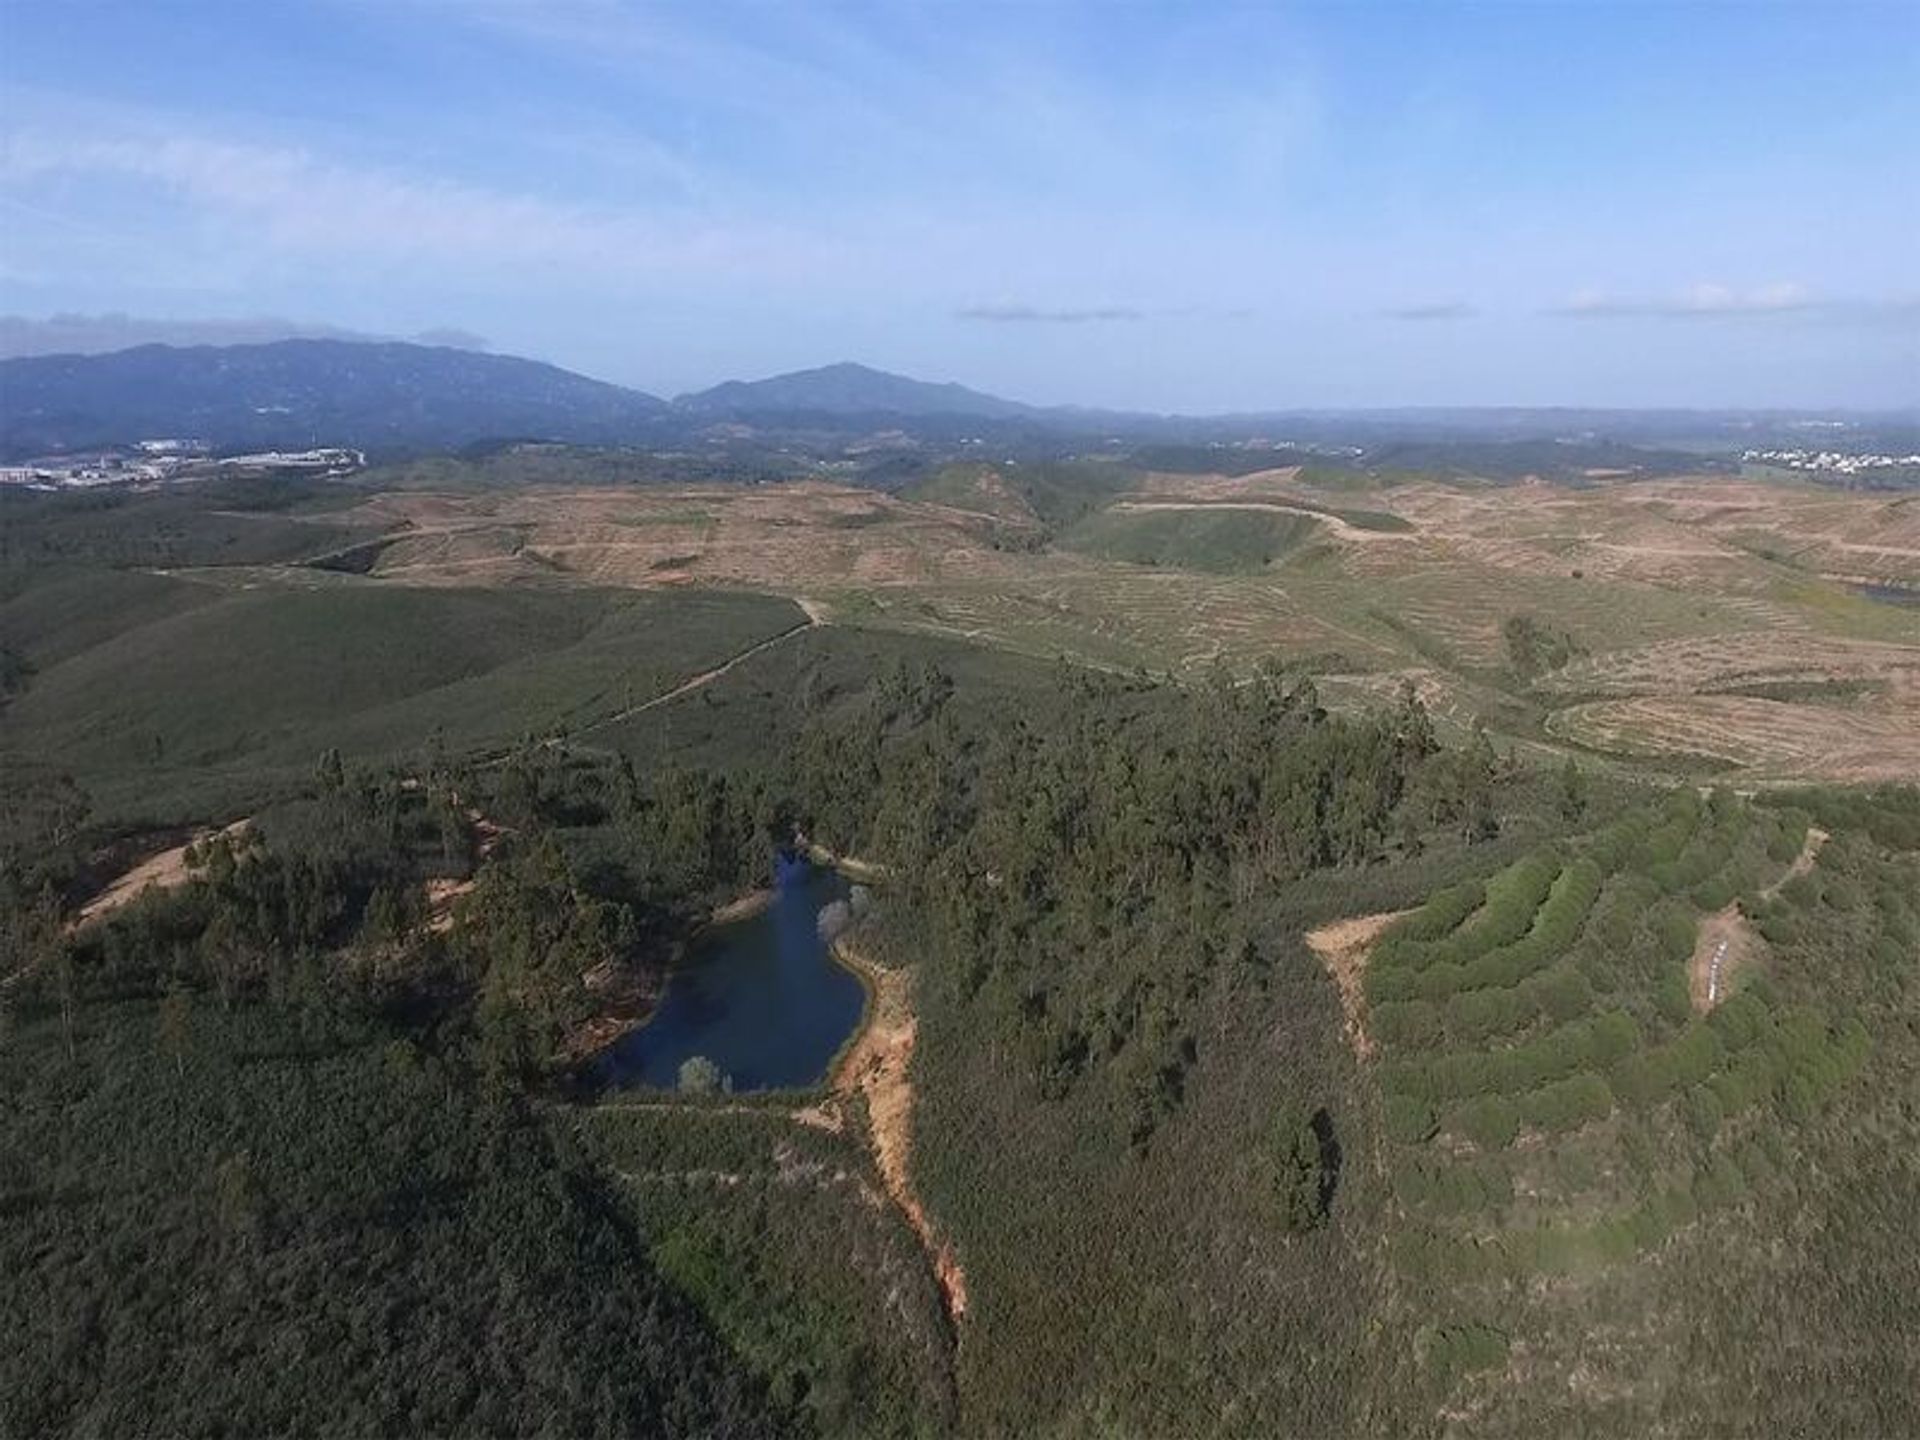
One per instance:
(847, 389)
(307, 392)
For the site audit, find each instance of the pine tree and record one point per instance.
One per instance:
(1302, 1177)
(1573, 790)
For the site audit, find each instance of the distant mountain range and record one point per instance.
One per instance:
(294, 393)
(393, 398)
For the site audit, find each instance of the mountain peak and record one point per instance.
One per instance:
(848, 388)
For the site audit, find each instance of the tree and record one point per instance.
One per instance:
(1309, 1165)
(1573, 790)
(700, 1076)
(330, 774)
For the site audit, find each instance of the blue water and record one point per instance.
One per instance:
(1890, 594)
(759, 997)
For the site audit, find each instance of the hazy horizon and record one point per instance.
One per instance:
(1193, 211)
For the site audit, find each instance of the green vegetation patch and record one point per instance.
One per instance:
(322, 1227)
(1555, 1107)
(254, 684)
(1221, 542)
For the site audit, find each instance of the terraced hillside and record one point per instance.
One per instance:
(1575, 1136)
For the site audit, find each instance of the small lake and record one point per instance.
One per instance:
(761, 997)
(1890, 594)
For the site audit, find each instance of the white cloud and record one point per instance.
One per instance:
(1779, 298)
(304, 202)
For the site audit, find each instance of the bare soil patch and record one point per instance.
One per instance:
(876, 1068)
(442, 893)
(168, 870)
(1343, 948)
(1725, 944)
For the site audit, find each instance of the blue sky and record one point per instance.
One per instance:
(1183, 207)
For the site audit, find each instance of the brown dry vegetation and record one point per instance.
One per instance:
(1767, 740)
(1709, 633)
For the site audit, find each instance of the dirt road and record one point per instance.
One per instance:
(1726, 942)
(707, 677)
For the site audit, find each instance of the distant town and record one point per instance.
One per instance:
(1837, 462)
(154, 462)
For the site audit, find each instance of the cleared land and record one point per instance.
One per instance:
(166, 870)
(1714, 624)
(1342, 947)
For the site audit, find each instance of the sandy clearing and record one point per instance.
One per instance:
(875, 1066)
(852, 866)
(1725, 943)
(167, 870)
(1343, 947)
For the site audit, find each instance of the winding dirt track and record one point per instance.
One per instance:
(815, 617)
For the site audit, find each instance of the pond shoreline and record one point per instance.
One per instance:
(629, 998)
(752, 984)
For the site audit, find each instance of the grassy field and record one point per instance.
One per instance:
(171, 646)
(1214, 541)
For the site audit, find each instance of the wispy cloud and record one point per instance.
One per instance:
(1436, 310)
(302, 201)
(1698, 301)
(71, 334)
(1017, 314)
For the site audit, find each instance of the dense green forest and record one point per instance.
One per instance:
(296, 1147)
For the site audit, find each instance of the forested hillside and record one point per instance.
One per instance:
(315, 1140)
